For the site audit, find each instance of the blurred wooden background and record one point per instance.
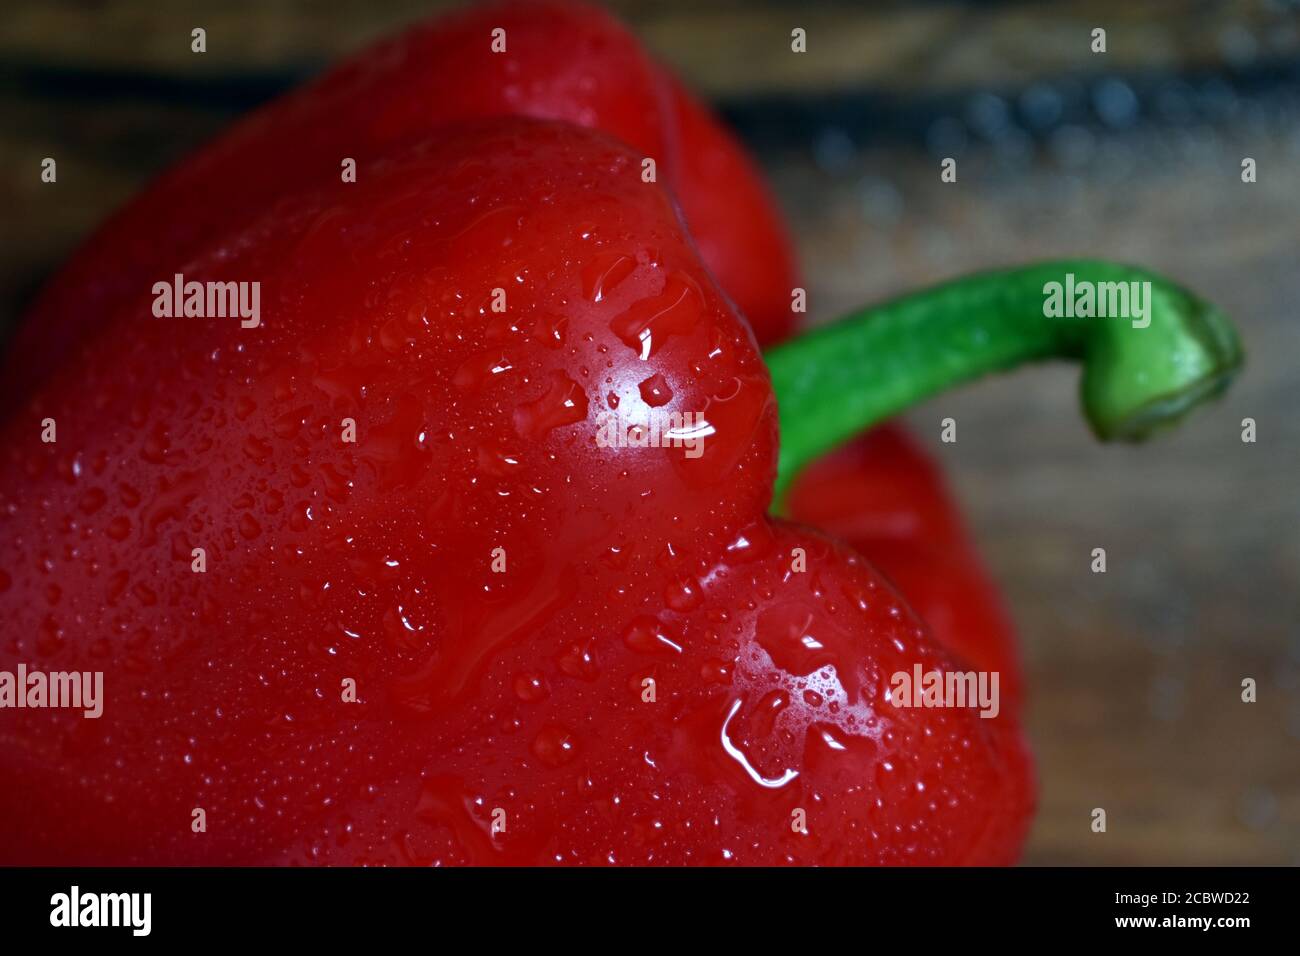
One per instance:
(1132, 155)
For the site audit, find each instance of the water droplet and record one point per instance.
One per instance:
(794, 639)
(497, 462)
(248, 526)
(395, 337)
(473, 372)
(738, 755)
(579, 660)
(655, 391)
(396, 450)
(530, 687)
(564, 403)
(555, 745)
(603, 274)
(648, 323)
(551, 330)
(92, 500)
(256, 449)
(648, 635)
(716, 671)
(682, 593)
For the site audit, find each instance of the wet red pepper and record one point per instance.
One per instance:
(565, 61)
(562, 61)
(559, 651)
(883, 495)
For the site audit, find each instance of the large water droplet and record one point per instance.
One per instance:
(648, 323)
(648, 635)
(603, 274)
(555, 745)
(655, 391)
(564, 403)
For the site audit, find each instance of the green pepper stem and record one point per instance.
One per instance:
(1141, 371)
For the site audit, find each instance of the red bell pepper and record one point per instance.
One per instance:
(559, 651)
(563, 61)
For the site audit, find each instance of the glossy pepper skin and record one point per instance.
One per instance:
(883, 495)
(564, 61)
(522, 690)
